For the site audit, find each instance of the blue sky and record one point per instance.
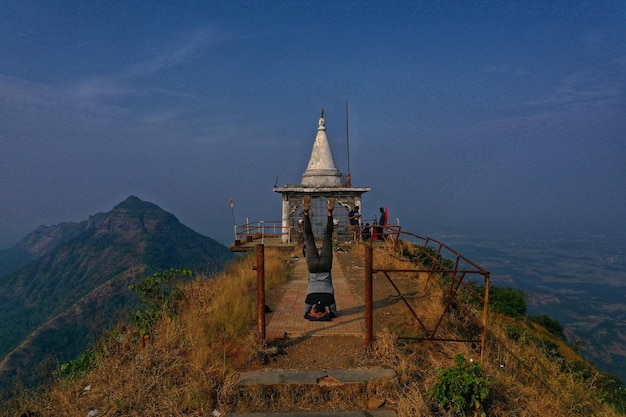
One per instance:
(465, 117)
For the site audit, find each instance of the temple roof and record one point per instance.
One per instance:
(322, 171)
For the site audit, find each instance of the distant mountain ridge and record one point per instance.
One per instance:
(36, 244)
(61, 285)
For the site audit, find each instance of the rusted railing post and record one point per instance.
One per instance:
(369, 302)
(485, 310)
(260, 290)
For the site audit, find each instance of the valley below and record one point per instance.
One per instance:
(578, 280)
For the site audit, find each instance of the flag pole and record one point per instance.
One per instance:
(232, 209)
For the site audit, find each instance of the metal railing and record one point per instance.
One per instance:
(454, 273)
(259, 230)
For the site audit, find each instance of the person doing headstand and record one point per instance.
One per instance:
(320, 299)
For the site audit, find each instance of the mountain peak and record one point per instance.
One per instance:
(135, 203)
(133, 215)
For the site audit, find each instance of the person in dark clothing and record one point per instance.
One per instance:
(320, 300)
(354, 219)
(381, 224)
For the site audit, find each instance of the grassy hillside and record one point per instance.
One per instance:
(64, 283)
(206, 334)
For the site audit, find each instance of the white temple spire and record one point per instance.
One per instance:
(321, 171)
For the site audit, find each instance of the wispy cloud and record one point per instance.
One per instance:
(593, 88)
(102, 86)
(180, 51)
(574, 100)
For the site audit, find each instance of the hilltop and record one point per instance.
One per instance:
(63, 284)
(189, 365)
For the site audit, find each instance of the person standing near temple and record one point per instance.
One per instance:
(354, 218)
(382, 223)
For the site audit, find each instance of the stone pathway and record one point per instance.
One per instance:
(287, 321)
(287, 318)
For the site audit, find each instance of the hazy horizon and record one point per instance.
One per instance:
(444, 232)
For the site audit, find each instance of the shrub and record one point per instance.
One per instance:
(428, 258)
(155, 293)
(78, 367)
(551, 325)
(462, 389)
(613, 392)
(507, 301)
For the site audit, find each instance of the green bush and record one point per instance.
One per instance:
(462, 389)
(613, 392)
(427, 257)
(507, 301)
(79, 366)
(155, 293)
(551, 325)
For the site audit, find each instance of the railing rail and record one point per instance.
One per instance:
(258, 230)
(261, 229)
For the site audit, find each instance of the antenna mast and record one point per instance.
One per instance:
(348, 177)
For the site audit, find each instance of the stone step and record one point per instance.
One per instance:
(325, 379)
(364, 413)
(316, 377)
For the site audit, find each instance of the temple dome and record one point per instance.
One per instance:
(322, 171)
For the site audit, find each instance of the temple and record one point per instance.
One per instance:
(320, 180)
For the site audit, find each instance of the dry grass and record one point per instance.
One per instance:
(529, 382)
(189, 363)
(189, 366)
(525, 381)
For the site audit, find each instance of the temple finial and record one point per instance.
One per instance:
(322, 122)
